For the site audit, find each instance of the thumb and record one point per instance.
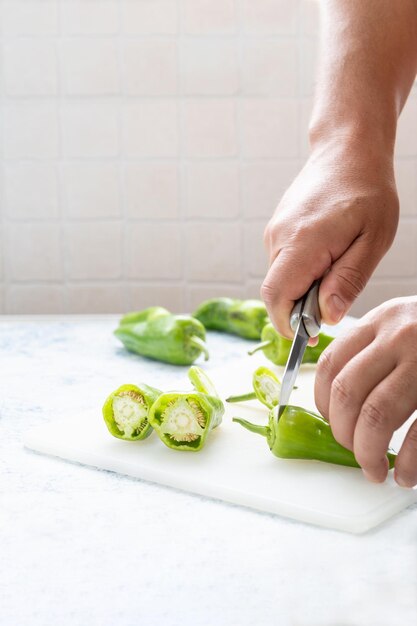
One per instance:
(346, 279)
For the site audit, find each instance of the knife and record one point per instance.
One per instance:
(305, 321)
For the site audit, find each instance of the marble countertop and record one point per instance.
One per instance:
(84, 547)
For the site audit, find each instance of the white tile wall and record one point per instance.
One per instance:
(145, 143)
(30, 67)
(90, 129)
(151, 189)
(91, 190)
(90, 67)
(159, 17)
(31, 190)
(150, 128)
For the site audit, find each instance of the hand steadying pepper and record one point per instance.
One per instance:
(366, 386)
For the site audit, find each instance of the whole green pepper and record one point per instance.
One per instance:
(157, 334)
(143, 316)
(302, 434)
(267, 388)
(126, 411)
(277, 348)
(245, 318)
(183, 420)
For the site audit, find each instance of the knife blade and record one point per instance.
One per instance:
(306, 322)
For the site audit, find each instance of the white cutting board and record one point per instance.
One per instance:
(235, 465)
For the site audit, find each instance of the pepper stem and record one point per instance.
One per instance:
(260, 346)
(201, 382)
(242, 398)
(254, 428)
(199, 343)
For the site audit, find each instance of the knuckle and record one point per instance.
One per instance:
(268, 291)
(325, 367)
(341, 392)
(407, 334)
(373, 416)
(352, 281)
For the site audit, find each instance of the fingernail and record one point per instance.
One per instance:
(337, 308)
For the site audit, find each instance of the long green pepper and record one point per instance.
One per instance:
(157, 334)
(302, 434)
(245, 318)
(277, 348)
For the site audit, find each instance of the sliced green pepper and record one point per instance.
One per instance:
(302, 434)
(277, 348)
(183, 420)
(126, 411)
(245, 318)
(157, 334)
(267, 388)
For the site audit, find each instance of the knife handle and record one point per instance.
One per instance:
(308, 308)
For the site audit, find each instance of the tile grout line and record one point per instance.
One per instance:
(4, 278)
(124, 261)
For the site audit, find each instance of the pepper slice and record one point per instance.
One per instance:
(126, 411)
(183, 420)
(267, 388)
(277, 348)
(302, 434)
(245, 318)
(157, 334)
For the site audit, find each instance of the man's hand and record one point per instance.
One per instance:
(366, 386)
(340, 214)
(337, 220)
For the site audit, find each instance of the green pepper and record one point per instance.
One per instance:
(245, 318)
(183, 420)
(126, 411)
(302, 434)
(143, 316)
(277, 348)
(267, 388)
(157, 334)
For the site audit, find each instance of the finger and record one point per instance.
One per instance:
(346, 279)
(386, 408)
(334, 358)
(291, 274)
(351, 387)
(406, 463)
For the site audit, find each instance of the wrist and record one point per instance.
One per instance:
(362, 137)
(353, 142)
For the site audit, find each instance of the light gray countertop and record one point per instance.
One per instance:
(83, 547)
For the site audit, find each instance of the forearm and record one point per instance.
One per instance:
(367, 64)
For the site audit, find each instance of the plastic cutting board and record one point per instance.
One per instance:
(236, 465)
